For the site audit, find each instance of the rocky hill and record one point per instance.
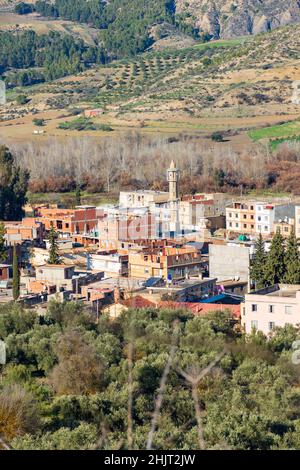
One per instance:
(231, 18)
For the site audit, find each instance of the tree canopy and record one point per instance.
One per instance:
(13, 186)
(88, 384)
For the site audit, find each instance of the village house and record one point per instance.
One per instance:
(254, 218)
(67, 222)
(28, 229)
(63, 277)
(202, 211)
(184, 290)
(264, 219)
(270, 307)
(169, 263)
(110, 262)
(284, 220)
(117, 226)
(240, 218)
(5, 273)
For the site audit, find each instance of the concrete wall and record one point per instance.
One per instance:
(228, 262)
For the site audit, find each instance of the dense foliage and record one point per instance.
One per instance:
(45, 57)
(75, 379)
(280, 265)
(13, 186)
(125, 26)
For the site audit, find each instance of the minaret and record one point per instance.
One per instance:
(173, 179)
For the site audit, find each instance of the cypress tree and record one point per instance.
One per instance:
(16, 275)
(275, 265)
(78, 195)
(3, 253)
(54, 257)
(258, 264)
(292, 260)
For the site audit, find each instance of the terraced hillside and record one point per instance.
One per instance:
(239, 84)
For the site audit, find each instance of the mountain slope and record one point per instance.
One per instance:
(230, 18)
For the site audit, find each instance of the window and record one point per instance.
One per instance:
(230, 224)
(254, 308)
(254, 324)
(259, 218)
(271, 308)
(237, 225)
(288, 309)
(271, 325)
(259, 228)
(245, 225)
(251, 208)
(245, 217)
(230, 214)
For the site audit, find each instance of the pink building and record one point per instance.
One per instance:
(268, 308)
(112, 230)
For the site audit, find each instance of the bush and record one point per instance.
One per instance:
(22, 99)
(217, 137)
(39, 122)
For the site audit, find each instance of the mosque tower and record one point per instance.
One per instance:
(173, 176)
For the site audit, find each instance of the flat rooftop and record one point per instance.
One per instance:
(126, 283)
(184, 284)
(285, 293)
(279, 290)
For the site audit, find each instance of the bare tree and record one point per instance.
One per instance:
(193, 377)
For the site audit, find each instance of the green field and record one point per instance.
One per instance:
(280, 131)
(222, 43)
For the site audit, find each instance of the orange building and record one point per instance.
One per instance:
(41, 287)
(28, 229)
(167, 262)
(82, 219)
(240, 218)
(5, 272)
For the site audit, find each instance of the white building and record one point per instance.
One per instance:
(268, 308)
(264, 218)
(112, 264)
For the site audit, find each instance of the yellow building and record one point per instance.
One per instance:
(169, 262)
(240, 218)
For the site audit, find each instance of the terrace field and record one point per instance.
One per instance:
(233, 86)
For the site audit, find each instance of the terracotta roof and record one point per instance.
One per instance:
(138, 302)
(202, 309)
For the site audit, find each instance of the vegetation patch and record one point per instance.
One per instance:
(280, 131)
(83, 124)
